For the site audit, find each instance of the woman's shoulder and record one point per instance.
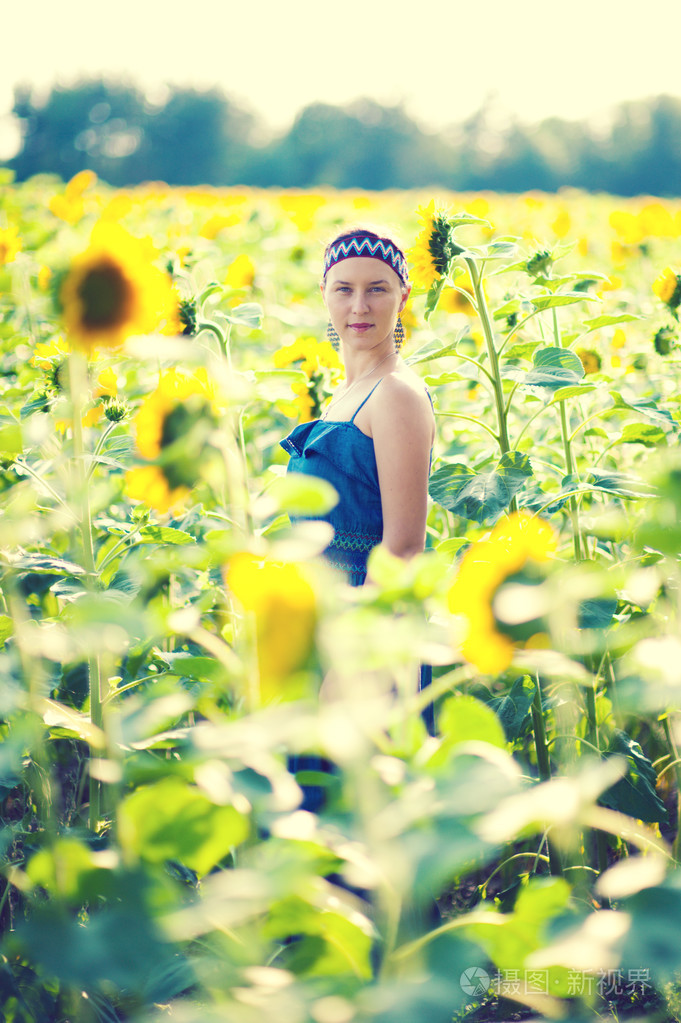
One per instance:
(402, 404)
(403, 387)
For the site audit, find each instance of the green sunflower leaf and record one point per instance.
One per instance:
(507, 309)
(617, 483)
(6, 628)
(10, 439)
(434, 349)
(484, 495)
(565, 298)
(172, 820)
(164, 534)
(634, 794)
(463, 218)
(572, 391)
(248, 314)
(463, 718)
(513, 709)
(521, 350)
(608, 321)
(433, 296)
(498, 249)
(37, 564)
(444, 378)
(647, 407)
(647, 434)
(552, 369)
(596, 614)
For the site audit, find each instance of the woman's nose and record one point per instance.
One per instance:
(360, 302)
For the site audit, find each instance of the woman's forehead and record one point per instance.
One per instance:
(362, 269)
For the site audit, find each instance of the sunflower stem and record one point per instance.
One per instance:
(78, 387)
(483, 313)
(577, 540)
(544, 764)
(676, 846)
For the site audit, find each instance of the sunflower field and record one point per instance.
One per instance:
(177, 660)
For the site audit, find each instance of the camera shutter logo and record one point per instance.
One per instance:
(474, 981)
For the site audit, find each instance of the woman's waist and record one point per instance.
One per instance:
(356, 538)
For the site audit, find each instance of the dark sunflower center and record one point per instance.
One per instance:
(182, 419)
(185, 433)
(106, 296)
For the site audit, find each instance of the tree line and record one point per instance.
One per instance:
(202, 137)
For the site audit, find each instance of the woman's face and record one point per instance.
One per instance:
(364, 298)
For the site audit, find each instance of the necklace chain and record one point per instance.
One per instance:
(354, 384)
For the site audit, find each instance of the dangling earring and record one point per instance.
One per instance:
(398, 334)
(332, 336)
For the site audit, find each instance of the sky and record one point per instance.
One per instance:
(440, 59)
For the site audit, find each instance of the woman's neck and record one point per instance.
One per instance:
(362, 364)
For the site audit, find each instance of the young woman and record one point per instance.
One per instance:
(375, 437)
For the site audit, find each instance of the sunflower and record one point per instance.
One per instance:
(322, 367)
(667, 287)
(218, 223)
(147, 483)
(434, 248)
(312, 355)
(590, 360)
(513, 543)
(240, 272)
(302, 208)
(113, 290)
(173, 428)
(283, 603)
(69, 205)
(47, 353)
(10, 244)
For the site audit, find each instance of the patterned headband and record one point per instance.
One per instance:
(362, 245)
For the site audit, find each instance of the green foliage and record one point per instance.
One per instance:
(513, 709)
(554, 369)
(175, 821)
(634, 794)
(480, 495)
(158, 711)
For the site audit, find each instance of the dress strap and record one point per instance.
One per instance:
(362, 403)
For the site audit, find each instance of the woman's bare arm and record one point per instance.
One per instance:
(402, 426)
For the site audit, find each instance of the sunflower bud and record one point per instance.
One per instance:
(539, 264)
(187, 314)
(664, 340)
(116, 410)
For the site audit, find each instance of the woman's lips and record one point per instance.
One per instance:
(360, 327)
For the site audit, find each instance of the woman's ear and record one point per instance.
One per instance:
(405, 297)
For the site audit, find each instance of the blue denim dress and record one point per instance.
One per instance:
(340, 453)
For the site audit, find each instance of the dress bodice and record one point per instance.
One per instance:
(344, 456)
